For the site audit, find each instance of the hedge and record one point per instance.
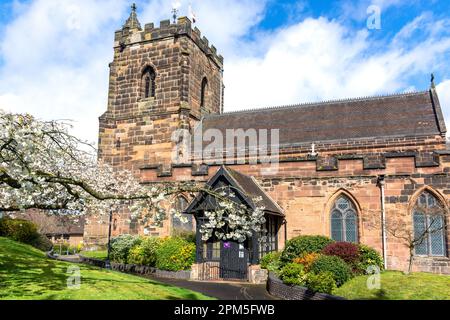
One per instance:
(302, 245)
(145, 253)
(19, 230)
(24, 231)
(347, 251)
(175, 254)
(340, 270)
(121, 245)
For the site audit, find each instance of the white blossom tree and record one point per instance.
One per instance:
(43, 166)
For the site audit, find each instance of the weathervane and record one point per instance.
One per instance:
(174, 12)
(175, 6)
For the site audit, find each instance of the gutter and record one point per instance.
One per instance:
(381, 184)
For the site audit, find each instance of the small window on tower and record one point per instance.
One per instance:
(203, 92)
(148, 82)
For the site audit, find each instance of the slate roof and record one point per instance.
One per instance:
(408, 114)
(252, 189)
(72, 228)
(54, 224)
(245, 185)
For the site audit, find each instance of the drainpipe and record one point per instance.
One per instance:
(381, 184)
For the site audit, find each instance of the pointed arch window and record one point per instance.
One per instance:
(180, 205)
(429, 226)
(148, 83)
(204, 88)
(344, 220)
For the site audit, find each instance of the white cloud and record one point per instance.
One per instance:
(56, 53)
(56, 56)
(320, 59)
(357, 10)
(223, 22)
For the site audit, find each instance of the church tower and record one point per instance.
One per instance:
(161, 79)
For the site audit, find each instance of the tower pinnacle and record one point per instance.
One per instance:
(133, 22)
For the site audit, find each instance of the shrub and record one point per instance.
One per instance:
(340, 270)
(186, 235)
(42, 243)
(80, 247)
(307, 259)
(271, 261)
(18, 230)
(75, 249)
(121, 246)
(65, 248)
(347, 251)
(301, 245)
(4, 227)
(368, 257)
(175, 254)
(321, 282)
(293, 274)
(145, 252)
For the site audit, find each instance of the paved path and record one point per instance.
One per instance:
(222, 290)
(69, 258)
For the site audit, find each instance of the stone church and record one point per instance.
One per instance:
(344, 168)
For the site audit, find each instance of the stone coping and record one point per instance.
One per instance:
(277, 288)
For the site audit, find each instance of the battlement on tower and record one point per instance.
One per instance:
(133, 36)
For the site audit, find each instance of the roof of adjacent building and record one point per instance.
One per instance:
(69, 228)
(408, 114)
(245, 185)
(51, 224)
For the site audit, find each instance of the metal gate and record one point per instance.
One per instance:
(227, 262)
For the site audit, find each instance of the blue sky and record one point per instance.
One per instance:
(54, 54)
(394, 18)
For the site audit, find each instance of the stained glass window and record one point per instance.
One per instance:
(344, 220)
(180, 205)
(429, 226)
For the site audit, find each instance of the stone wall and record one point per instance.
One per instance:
(136, 134)
(307, 194)
(137, 130)
(256, 275)
(277, 288)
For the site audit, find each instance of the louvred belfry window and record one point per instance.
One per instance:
(203, 92)
(344, 220)
(429, 226)
(148, 82)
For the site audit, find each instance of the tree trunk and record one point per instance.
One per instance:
(411, 257)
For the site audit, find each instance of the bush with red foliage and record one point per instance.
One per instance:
(347, 251)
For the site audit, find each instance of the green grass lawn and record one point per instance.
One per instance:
(26, 273)
(100, 254)
(397, 286)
